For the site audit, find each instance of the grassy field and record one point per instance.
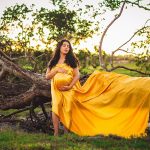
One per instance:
(90, 69)
(128, 72)
(19, 140)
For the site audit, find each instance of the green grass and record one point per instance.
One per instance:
(90, 69)
(20, 140)
(127, 72)
(11, 139)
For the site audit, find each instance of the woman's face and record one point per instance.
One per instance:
(64, 49)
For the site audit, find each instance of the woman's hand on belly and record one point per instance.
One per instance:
(65, 88)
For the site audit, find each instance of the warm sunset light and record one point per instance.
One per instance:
(74, 74)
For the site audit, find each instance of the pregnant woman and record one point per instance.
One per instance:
(107, 103)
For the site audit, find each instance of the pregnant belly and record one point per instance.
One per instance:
(62, 79)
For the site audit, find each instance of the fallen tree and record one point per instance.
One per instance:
(27, 92)
(30, 91)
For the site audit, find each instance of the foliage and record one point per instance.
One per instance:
(63, 23)
(143, 61)
(143, 58)
(112, 4)
(37, 31)
(14, 19)
(115, 4)
(41, 27)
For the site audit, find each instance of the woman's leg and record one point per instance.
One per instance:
(55, 119)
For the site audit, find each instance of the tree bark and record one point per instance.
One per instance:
(40, 87)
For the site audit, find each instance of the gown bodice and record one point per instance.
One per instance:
(63, 79)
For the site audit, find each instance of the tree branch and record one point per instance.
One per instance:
(18, 101)
(103, 35)
(120, 47)
(4, 55)
(128, 40)
(126, 51)
(138, 71)
(16, 112)
(13, 68)
(137, 4)
(2, 72)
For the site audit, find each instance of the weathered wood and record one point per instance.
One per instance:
(39, 86)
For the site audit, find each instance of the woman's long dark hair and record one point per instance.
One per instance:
(70, 60)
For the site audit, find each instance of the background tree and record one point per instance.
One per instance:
(114, 5)
(100, 8)
(37, 32)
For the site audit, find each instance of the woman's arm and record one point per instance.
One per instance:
(51, 73)
(76, 76)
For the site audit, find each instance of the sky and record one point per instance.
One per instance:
(130, 21)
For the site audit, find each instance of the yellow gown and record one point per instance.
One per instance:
(107, 104)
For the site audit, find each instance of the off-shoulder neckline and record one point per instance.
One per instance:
(61, 64)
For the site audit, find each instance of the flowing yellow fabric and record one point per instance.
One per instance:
(107, 103)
